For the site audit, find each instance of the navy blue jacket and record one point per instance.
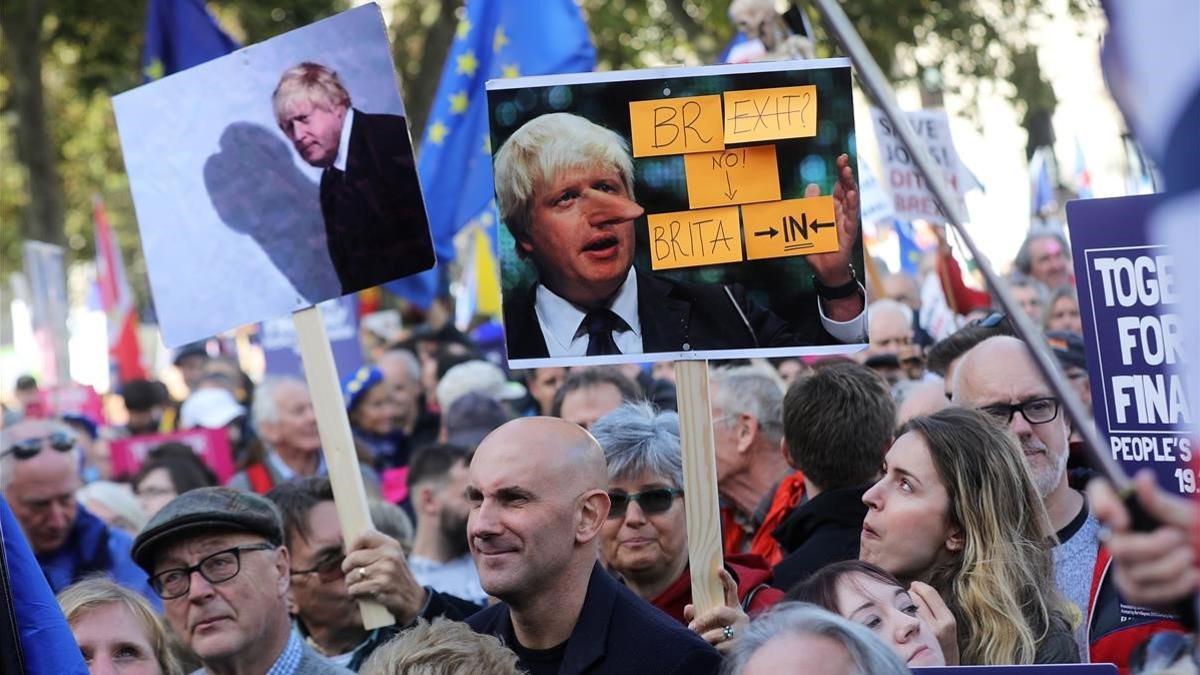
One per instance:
(617, 632)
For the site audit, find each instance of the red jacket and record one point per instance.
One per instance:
(1115, 628)
(753, 577)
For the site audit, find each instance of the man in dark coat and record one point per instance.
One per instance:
(375, 221)
(564, 188)
(837, 424)
(537, 492)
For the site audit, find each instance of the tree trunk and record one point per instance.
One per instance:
(21, 22)
(423, 88)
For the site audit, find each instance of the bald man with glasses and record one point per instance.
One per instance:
(216, 558)
(39, 474)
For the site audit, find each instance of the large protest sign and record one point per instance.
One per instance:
(212, 445)
(911, 197)
(693, 243)
(281, 350)
(1129, 301)
(274, 178)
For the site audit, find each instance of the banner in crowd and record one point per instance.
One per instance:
(212, 445)
(44, 268)
(282, 353)
(911, 197)
(692, 232)
(274, 178)
(1129, 300)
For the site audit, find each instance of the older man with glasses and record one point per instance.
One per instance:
(216, 558)
(39, 474)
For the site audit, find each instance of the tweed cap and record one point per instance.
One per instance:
(205, 510)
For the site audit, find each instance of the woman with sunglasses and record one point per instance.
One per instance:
(644, 540)
(957, 509)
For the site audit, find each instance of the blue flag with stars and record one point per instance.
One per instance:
(181, 34)
(496, 39)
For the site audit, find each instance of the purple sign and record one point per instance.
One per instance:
(282, 353)
(1129, 300)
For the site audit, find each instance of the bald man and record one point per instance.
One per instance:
(999, 376)
(537, 491)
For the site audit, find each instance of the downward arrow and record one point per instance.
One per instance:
(767, 233)
(729, 192)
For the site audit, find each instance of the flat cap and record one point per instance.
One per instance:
(203, 511)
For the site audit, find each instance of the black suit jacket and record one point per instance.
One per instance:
(679, 316)
(824, 530)
(617, 632)
(375, 221)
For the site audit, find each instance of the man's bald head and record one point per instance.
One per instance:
(557, 447)
(992, 357)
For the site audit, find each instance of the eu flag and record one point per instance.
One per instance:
(496, 39)
(181, 34)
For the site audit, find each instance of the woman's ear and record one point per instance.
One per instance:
(955, 541)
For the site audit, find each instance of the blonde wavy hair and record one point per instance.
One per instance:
(443, 647)
(1000, 586)
(95, 592)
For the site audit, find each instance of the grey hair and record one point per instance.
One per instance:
(887, 304)
(8, 463)
(637, 440)
(408, 359)
(869, 655)
(751, 390)
(548, 145)
(1024, 260)
(264, 408)
(1019, 280)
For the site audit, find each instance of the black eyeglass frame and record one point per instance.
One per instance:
(626, 497)
(326, 570)
(31, 447)
(159, 586)
(997, 410)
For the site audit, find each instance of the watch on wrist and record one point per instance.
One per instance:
(836, 292)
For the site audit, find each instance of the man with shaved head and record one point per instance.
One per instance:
(537, 491)
(999, 377)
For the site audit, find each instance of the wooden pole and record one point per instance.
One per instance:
(337, 443)
(700, 484)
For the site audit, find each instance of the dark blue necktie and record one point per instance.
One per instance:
(599, 325)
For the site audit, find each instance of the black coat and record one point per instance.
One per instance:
(375, 221)
(823, 530)
(678, 316)
(617, 632)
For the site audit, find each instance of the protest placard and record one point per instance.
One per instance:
(911, 198)
(693, 236)
(212, 446)
(256, 196)
(1129, 301)
(281, 349)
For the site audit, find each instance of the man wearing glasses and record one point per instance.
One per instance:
(39, 474)
(999, 377)
(216, 558)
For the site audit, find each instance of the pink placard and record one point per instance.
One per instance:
(211, 444)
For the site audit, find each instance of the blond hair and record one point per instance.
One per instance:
(545, 147)
(996, 587)
(311, 82)
(443, 647)
(95, 592)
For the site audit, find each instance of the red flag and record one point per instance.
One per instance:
(116, 299)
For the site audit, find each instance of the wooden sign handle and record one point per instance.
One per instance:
(700, 484)
(337, 442)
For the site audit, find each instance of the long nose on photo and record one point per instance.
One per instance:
(605, 208)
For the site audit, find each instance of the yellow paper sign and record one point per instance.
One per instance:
(692, 238)
(735, 176)
(790, 227)
(770, 114)
(673, 126)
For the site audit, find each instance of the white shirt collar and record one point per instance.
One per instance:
(559, 318)
(339, 162)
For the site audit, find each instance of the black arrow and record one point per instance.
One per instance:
(729, 192)
(767, 233)
(817, 226)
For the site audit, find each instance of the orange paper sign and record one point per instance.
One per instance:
(692, 238)
(673, 126)
(735, 176)
(770, 114)
(790, 227)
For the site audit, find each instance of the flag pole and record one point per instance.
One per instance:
(878, 88)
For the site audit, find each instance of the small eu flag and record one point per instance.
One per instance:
(181, 34)
(495, 39)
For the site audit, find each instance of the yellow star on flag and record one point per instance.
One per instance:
(437, 132)
(463, 28)
(499, 40)
(467, 63)
(458, 102)
(487, 144)
(154, 70)
(511, 70)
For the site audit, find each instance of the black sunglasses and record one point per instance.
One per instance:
(328, 568)
(652, 502)
(30, 447)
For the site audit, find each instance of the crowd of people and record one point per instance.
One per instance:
(921, 503)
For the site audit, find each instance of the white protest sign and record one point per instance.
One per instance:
(911, 197)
